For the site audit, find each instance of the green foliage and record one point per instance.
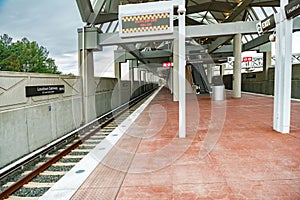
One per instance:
(25, 56)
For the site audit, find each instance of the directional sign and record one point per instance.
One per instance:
(292, 9)
(44, 90)
(268, 23)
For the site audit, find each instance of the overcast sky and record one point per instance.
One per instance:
(53, 24)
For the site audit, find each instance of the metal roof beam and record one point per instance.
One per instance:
(218, 43)
(221, 29)
(106, 39)
(85, 10)
(235, 15)
(237, 10)
(103, 18)
(256, 42)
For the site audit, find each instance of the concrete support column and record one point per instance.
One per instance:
(283, 72)
(117, 97)
(145, 77)
(117, 70)
(139, 76)
(170, 80)
(237, 68)
(88, 86)
(209, 72)
(267, 62)
(175, 75)
(149, 77)
(222, 69)
(145, 80)
(139, 79)
(132, 65)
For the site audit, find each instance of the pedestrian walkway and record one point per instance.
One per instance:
(230, 152)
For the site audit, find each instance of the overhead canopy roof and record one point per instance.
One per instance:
(104, 13)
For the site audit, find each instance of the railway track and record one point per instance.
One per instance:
(32, 179)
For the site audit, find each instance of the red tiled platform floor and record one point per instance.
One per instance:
(230, 152)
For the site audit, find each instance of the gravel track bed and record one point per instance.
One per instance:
(68, 160)
(17, 175)
(46, 178)
(60, 168)
(85, 147)
(91, 143)
(30, 192)
(78, 153)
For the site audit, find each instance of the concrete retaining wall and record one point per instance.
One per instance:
(27, 123)
(258, 83)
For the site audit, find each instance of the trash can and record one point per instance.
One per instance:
(218, 88)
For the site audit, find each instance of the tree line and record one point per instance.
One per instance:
(25, 56)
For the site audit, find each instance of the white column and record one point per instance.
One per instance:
(237, 68)
(175, 78)
(182, 63)
(283, 72)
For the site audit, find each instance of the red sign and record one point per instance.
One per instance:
(167, 65)
(247, 59)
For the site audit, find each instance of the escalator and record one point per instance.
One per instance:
(200, 78)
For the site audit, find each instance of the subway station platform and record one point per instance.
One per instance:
(230, 152)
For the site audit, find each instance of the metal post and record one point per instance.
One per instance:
(175, 78)
(283, 72)
(182, 63)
